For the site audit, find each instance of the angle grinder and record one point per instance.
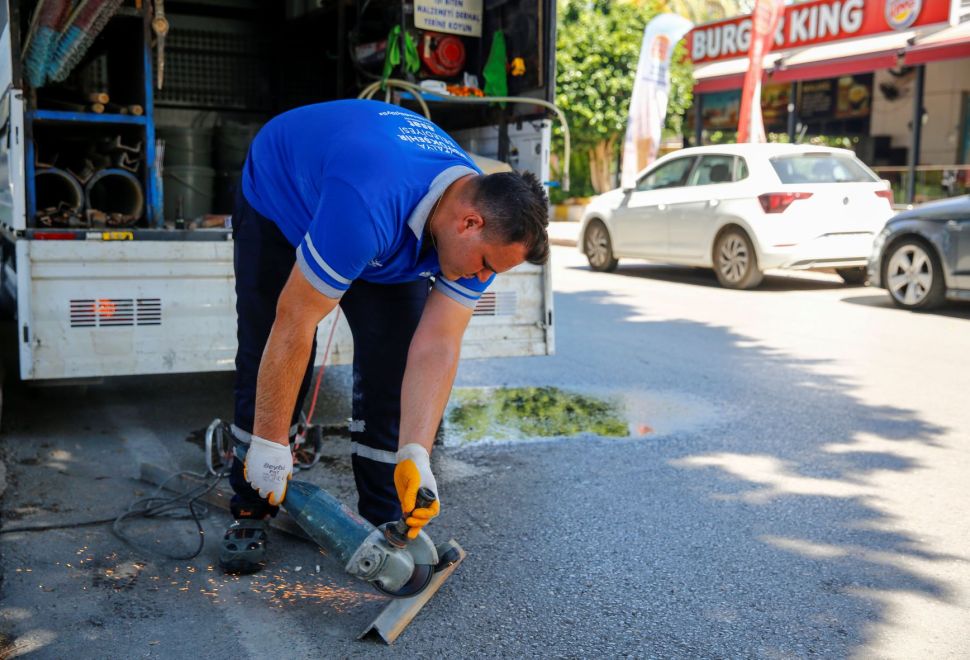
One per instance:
(383, 556)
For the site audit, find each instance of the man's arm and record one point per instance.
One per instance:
(298, 312)
(431, 366)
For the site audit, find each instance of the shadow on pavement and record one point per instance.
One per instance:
(706, 277)
(953, 310)
(755, 536)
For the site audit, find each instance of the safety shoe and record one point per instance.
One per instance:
(243, 548)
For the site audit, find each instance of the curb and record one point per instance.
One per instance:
(569, 242)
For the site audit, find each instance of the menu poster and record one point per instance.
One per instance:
(816, 99)
(774, 104)
(720, 110)
(853, 96)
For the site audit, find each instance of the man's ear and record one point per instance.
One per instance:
(472, 221)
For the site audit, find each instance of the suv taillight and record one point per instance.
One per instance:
(886, 195)
(778, 202)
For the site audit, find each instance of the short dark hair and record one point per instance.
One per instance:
(516, 210)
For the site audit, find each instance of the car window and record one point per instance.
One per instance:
(669, 175)
(742, 169)
(713, 169)
(820, 168)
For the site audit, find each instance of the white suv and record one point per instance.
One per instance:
(741, 209)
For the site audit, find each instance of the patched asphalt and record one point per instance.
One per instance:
(800, 492)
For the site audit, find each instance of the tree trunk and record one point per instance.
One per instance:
(601, 159)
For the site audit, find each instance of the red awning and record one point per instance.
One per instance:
(834, 68)
(842, 58)
(952, 43)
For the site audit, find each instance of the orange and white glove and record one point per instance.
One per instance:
(413, 471)
(268, 468)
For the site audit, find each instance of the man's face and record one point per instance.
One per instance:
(466, 253)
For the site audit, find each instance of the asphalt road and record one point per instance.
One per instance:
(802, 491)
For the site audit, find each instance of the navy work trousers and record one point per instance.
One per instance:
(382, 319)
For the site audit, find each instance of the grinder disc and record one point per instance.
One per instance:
(420, 579)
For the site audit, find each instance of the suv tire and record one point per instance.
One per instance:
(735, 262)
(598, 248)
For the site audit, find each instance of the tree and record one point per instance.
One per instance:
(598, 45)
(701, 11)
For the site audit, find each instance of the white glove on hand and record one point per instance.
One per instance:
(413, 471)
(268, 468)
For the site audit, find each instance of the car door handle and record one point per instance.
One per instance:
(661, 207)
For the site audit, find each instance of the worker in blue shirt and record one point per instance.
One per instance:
(361, 204)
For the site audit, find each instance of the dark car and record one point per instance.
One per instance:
(922, 256)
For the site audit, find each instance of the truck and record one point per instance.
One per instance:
(124, 125)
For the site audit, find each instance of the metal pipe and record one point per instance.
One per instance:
(116, 193)
(698, 120)
(58, 194)
(792, 113)
(914, 149)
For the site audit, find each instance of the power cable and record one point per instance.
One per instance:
(157, 506)
(151, 506)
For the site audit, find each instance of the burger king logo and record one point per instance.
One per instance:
(900, 14)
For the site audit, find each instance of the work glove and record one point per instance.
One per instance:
(268, 468)
(412, 472)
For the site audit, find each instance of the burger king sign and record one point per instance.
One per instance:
(900, 14)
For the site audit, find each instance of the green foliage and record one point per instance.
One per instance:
(530, 412)
(579, 174)
(839, 141)
(701, 11)
(597, 48)
(681, 89)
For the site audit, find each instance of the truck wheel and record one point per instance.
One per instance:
(913, 276)
(852, 276)
(599, 248)
(735, 263)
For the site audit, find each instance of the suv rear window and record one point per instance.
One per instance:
(820, 168)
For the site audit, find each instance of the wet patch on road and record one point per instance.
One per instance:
(510, 414)
(519, 413)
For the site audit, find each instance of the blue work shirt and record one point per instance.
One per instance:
(351, 184)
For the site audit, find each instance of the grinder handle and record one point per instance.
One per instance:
(397, 533)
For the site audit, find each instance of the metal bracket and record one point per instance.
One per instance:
(392, 621)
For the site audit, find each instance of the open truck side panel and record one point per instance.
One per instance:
(134, 275)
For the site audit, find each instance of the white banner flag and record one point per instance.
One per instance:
(651, 88)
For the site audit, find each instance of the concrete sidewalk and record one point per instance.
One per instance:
(564, 232)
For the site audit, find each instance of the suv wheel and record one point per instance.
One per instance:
(913, 276)
(735, 262)
(599, 248)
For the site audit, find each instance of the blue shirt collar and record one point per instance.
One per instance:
(419, 216)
